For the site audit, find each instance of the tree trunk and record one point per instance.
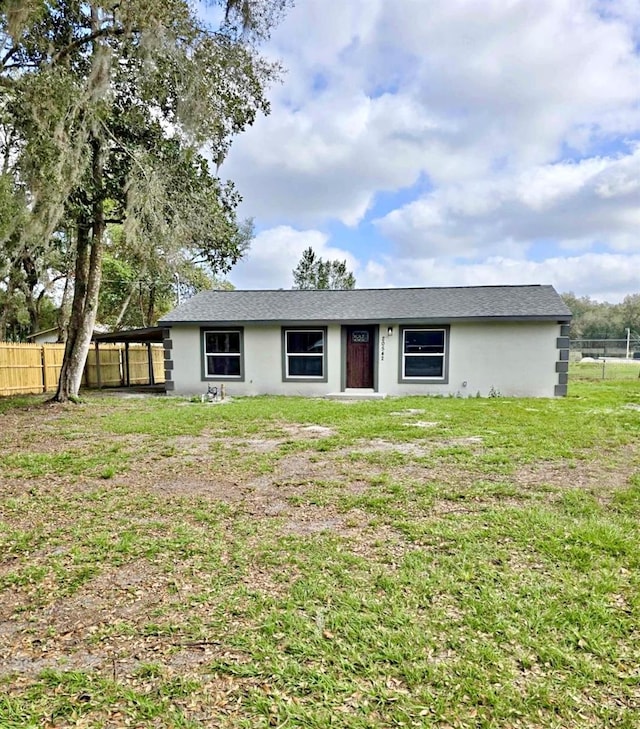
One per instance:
(127, 301)
(64, 313)
(124, 307)
(31, 283)
(4, 313)
(88, 274)
(152, 305)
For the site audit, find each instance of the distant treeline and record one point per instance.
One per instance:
(601, 320)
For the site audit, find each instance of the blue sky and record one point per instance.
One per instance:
(450, 143)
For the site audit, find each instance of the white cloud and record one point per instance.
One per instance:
(519, 118)
(579, 204)
(329, 160)
(446, 89)
(274, 253)
(603, 276)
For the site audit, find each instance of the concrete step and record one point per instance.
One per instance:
(356, 394)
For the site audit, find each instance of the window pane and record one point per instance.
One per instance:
(222, 342)
(423, 366)
(305, 366)
(427, 341)
(220, 365)
(305, 342)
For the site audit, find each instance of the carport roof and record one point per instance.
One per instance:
(135, 336)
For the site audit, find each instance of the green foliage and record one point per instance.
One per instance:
(312, 272)
(109, 109)
(152, 64)
(25, 276)
(137, 289)
(12, 209)
(601, 320)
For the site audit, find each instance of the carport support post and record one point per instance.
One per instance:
(150, 362)
(43, 360)
(98, 373)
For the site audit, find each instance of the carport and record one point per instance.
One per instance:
(147, 336)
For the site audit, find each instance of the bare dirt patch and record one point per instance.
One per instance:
(310, 525)
(585, 475)
(63, 632)
(412, 448)
(308, 431)
(293, 476)
(408, 411)
(219, 488)
(385, 446)
(462, 441)
(259, 445)
(422, 424)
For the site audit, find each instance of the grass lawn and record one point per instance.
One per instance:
(605, 369)
(279, 562)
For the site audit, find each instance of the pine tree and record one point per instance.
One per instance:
(312, 272)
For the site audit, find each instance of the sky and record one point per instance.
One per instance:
(449, 143)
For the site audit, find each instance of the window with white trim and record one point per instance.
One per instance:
(223, 353)
(304, 353)
(423, 354)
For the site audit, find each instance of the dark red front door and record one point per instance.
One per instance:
(360, 356)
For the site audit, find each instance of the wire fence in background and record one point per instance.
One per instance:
(605, 359)
(605, 369)
(598, 348)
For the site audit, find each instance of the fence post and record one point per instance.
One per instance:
(98, 373)
(43, 364)
(126, 359)
(150, 364)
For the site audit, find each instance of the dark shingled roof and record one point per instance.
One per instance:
(372, 305)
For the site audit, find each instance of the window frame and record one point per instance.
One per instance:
(204, 354)
(286, 377)
(441, 379)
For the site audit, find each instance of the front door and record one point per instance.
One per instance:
(360, 342)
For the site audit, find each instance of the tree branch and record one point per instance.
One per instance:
(20, 65)
(79, 42)
(63, 52)
(8, 55)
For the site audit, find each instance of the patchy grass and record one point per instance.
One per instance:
(289, 562)
(19, 402)
(605, 369)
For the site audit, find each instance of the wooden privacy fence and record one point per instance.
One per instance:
(35, 368)
(28, 368)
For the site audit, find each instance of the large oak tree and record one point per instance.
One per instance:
(110, 106)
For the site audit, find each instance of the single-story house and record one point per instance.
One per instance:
(44, 336)
(507, 340)
(53, 335)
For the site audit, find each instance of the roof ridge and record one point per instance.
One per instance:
(379, 288)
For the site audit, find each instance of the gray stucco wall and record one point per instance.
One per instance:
(511, 358)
